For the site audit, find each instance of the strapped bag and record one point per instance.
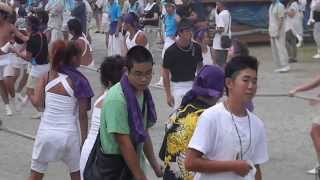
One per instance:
(226, 37)
(101, 166)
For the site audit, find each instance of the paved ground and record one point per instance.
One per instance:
(287, 121)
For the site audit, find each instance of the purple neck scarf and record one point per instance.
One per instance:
(135, 115)
(82, 88)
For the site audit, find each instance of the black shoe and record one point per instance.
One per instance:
(97, 32)
(293, 61)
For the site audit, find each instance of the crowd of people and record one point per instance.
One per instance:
(205, 138)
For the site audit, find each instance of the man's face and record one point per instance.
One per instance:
(219, 6)
(140, 75)
(169, 9)
(186, 34)
(243, 84)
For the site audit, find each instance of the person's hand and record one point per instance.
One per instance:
(141, 178)
(13, 50)
(170, 100)
(242, 168)
(158, 170)
(292, 92)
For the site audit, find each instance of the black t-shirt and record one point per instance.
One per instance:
(150, 14)
(34, 46)
(182, 63)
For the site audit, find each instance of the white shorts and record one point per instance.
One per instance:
(53, 146)
(66, 18)
(9, 70)
(179, 89)
(39, 70)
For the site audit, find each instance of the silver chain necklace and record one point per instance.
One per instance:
(242, 153)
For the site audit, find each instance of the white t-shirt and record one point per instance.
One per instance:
(222, 20)
(292, 22)
(276, 13)
(216, 137)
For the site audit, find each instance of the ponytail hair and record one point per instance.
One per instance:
(57, 54)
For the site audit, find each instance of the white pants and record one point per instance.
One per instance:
(115, 45)
(179, 89)
(279, 51)
(316, 33)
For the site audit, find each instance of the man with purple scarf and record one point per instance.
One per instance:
(127, 113)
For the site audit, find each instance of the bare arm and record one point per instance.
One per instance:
(149, 152)
(305, 87)
(130, 155)
(83, 118)
(37, 98)
(258, 173)
(167, 86)
(195, 162)
(23, 54)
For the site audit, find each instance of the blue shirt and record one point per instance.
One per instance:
(135, 8)
(114, 12)
(170, 25)
(70, 4)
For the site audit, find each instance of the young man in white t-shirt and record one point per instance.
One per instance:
(229, 141)
(223, 27)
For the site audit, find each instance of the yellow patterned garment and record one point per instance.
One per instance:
(180, 128)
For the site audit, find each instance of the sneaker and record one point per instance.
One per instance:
(283, 70)
(312, 171)
(19, 97)
(316, 56)
(36, 115)
(8, 110)
(299, 44)
(310, 22)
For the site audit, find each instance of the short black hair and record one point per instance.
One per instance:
(239, 63)
(34, 23)
(22, 12)
(111, 70)
(184, 24)
(138, 54)
(71, 51)
(43, 17)
(75, 26)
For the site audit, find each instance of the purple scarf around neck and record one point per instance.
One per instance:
(135, 116)
(82, 88)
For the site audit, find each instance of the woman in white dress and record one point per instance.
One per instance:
(202, 38)
(111, 71)
(134, 36)
(65, 110)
